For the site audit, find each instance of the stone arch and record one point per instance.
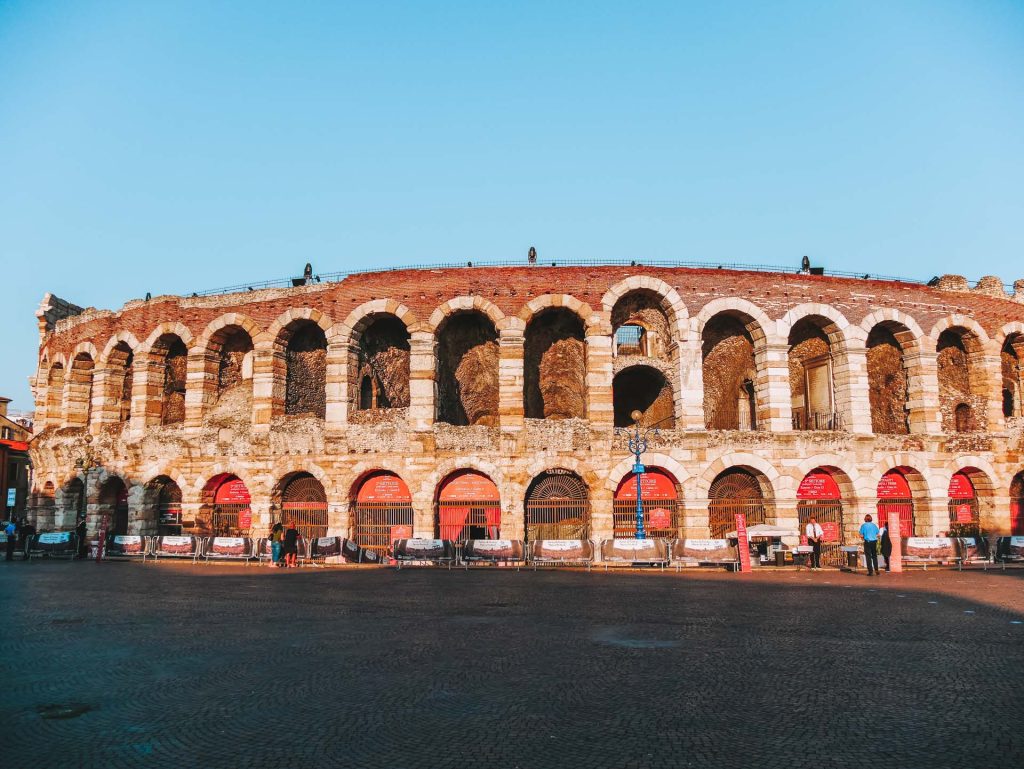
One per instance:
(447, 467)
(55, 375)
(739, 489)
(914, 511)
(162, 505)
(672, 303)
(847, 476)
(766, 472)
(278, 332)
(301, 497)
(381, 507)
(118, 377)
(647, 390)
(466, 355)
(961, 345)
(759, 324)
(462, 304)
(78, 386)
(166, 354)
(557, 505)
(734, 372)
(166, 329)
(362, 316)
(819, 366)
(296, 344)
(112, 503)
(467, 504)
(894, 372)
(652, 459)
(555, 364)
(1010, 341)
(982, 503)
(224, 353)
(379, 355)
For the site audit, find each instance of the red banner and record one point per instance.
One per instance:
(893, 485)
(742, 542)
(654, 484)
(829, 531)
(384, 487)
(659, 518)
(964, 513)
(232, 492)
(400, 532)
(818, 484)
(960, 487)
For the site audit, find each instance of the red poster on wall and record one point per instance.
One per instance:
(893, 485)
(469, 486)
(743, 543)
(232, 492)
(964, 514)
(654, 484)
(829, 531)
(818, 484)
(659, 518)
(400, 532)
(384, 487)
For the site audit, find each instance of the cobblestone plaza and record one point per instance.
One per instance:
(126, 664)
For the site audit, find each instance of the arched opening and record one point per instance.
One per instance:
(643, 389)
(74, 503)
(113, 505)
(659, 501)
(888, 380)
(555, 366)
(303, 502)
(54, 394)
(964, 510)
(381, 511)
(730, 373)
(382, 364)
(811, 377)
(79, 395)
(468, 507)
(895, 496)
(557, 506)
(640, 326)
(467, 370)
(733, 492)
(225, 510)
(231, 348)
(122, 372)
(961, 399)
(819, 497)
(163, 504)
(171, 358)
(305, 370)
(1010, 357)
(1017, 505)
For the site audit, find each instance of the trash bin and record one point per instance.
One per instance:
(780, 557)
(851, 559)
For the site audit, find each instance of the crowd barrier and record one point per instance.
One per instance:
(126, 546)
(440, 552)
(53, 544)
(704, 552)
(562, 552)
(653, 550)
(493, 551)
(174, 547)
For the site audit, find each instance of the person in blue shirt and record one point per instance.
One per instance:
(869, 531)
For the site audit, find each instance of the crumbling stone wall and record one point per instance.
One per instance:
(555, 366)
(643, 308)
(806, 341)
(1011, 375)
(235, 345)
(644, 389)
(172, 408)
(121, 362)
(54, 394)
(467, 371)
(887, 383)
(729, 372)
(954, 367)
(384, 364)
(79, 398)
(127, 379)
(306, 376)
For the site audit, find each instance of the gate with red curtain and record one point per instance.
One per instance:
(818, 495)
(894, 496)
(964, 512)
(382, 512)
(659, 500)
(468, 507)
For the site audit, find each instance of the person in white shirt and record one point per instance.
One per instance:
(814, 534)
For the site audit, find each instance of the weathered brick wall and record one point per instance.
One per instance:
(306, 372)
(555, 362)
(467, 369)
(728, 362)
(887, 383)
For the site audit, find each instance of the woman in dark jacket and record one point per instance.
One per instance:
(291, 546)
(885, 544)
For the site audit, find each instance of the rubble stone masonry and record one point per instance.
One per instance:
(517, 371)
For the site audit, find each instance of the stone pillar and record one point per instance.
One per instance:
(987, 378)
(340, 353)
(339, 520)
(851, 388)
(147, 393)
(106, 407)
(923, 392)
(695, 518)
(690, 398)
(600, 408)
(200, 387)
(421, 381)
(775, 391)
(423, 514)
(602, 525)
(511, 376)
(268, 383)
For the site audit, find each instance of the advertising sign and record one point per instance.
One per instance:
(469, 486)
(384, 487)
(930, 548)
(492, 550)
(704, 551)
(893, 485)
(960, 487)
(634, 550)
(562, 549)
(659, 518)
(742, 541)
(818, 484)
(654, 484)
(964, 513)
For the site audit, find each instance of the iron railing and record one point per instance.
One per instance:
(333, 277)
(817, 420)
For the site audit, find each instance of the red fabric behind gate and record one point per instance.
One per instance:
(894, 486)
(468, 486)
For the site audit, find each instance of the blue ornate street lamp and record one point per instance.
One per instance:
(636, 440)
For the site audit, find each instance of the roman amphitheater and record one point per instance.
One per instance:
(475, 402)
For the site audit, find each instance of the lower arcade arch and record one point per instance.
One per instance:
(225, 509)
(162, 498)
(113, 505)
(896, 496)
(964, 507)
(557, 506)
(1017, 504)
(468, 506)
(300, 499)
(734, 492)
(819, 497)
(659, 501)
(381, 511)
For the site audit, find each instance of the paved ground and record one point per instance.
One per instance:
(234, 667)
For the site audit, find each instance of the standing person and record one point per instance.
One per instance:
(885, 544)
(11, 530)
(291, 546)
(814, 533)
(276, 538)
(25, 534)
(869, 532)
(82, 544)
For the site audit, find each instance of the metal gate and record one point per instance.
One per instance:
(304, 503)
(825, 511)
(459, 521)
(964, 517)
(558, 507)
(656, 525)
(169, 510)
(905, 508)
(734, 492)
(376, 524)
(225, 520)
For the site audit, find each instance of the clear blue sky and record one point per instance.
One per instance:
(175, 146)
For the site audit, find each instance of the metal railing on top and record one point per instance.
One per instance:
(817, 420)
(332, 277)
